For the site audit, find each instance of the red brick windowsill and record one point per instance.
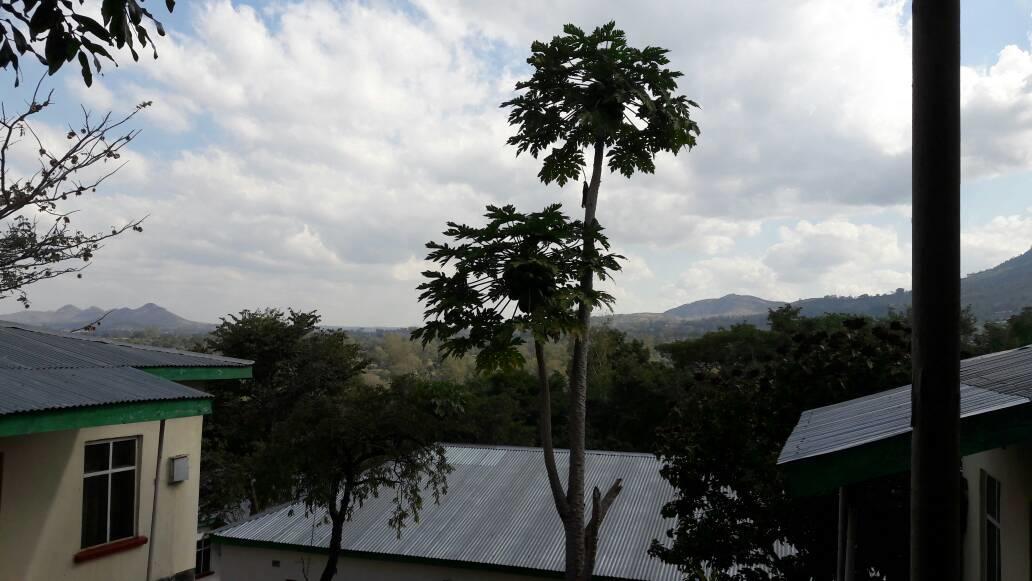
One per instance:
(109, 549)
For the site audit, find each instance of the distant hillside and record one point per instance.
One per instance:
(121, 321)
(993, 294)
(725, 306)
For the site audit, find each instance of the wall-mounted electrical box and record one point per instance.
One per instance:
(178, 469)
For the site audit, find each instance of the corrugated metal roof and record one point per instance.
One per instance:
(989, 383)
(23, 347)
(32, 390)
(498, 511)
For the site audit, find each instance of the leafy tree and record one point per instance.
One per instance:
(37, 240)
(57, 32)
(1015, 332)
(594, 92)
(346, 440)
(238, 464)
(631, 393)
(518, 277)
(587, 92)
(721, 445)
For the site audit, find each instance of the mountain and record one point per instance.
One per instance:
(122, 321)
(993, 295)
(726, 306)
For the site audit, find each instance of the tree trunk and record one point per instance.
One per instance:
(545, 429)
(582, 537)
(337, 516)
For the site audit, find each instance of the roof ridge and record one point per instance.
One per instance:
(539, 449)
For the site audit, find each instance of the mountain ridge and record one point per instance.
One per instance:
(117, 321)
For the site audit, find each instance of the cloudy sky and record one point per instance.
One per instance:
(300, 154)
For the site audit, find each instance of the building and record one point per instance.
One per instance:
(496, 523)
(842, 445)
(100, 446)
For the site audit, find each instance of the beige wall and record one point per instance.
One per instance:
(1012, 466)
(233, 563)
(41, 505)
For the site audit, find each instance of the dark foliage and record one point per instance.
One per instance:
(56, 32)
(239, 468)
(721, 445)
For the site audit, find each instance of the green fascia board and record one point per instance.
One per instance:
(827, 472)
(103, 415)
(199, 373)
(524, 571)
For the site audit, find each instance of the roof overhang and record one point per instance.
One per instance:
(199, 373)
(825, 473)
(18, 424)
(398, 558)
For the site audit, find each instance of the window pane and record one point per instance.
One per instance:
(992, 561)
(97, 457)
(94, 510)
(123, 454)
(123, 504)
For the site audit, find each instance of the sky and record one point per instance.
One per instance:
(300, 154)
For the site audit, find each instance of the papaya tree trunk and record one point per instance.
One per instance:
(582, 534)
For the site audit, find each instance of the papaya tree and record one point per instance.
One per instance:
(589, 95)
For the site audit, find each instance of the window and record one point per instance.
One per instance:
(203, 566)
(109, 491)
(991, 543)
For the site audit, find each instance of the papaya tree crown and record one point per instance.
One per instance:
(516, 276)
(589, 89)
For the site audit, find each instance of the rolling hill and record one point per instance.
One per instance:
(993, 294)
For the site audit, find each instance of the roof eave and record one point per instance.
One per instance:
(210, 373)
(824, 473)
(19, 424)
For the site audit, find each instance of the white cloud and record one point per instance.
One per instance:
(1001, 238)
(303, 153)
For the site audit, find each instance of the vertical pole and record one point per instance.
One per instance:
(850, 560)
(154, 502)
(935, 490)
(843, 515)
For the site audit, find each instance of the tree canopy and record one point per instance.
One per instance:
(345, 440)
(240, 469)
(56, 32)
(721, 443)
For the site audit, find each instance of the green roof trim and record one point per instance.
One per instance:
(524, 571)
(827, 472)
(199, 373)
(19, 424)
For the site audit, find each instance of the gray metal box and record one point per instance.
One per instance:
(178, 469)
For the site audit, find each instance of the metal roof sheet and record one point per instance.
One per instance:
(24, 347)
(498, 511)
(988, 383)
(33, 390)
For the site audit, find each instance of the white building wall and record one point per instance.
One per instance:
(1012, 467)
(236, 563)
(41, 505)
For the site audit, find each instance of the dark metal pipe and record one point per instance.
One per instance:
(935, 491)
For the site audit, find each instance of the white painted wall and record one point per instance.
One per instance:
(1012, 466)
(41, 505)
(235, 563)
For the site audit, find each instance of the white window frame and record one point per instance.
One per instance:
(111, 471)
(987, 520)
